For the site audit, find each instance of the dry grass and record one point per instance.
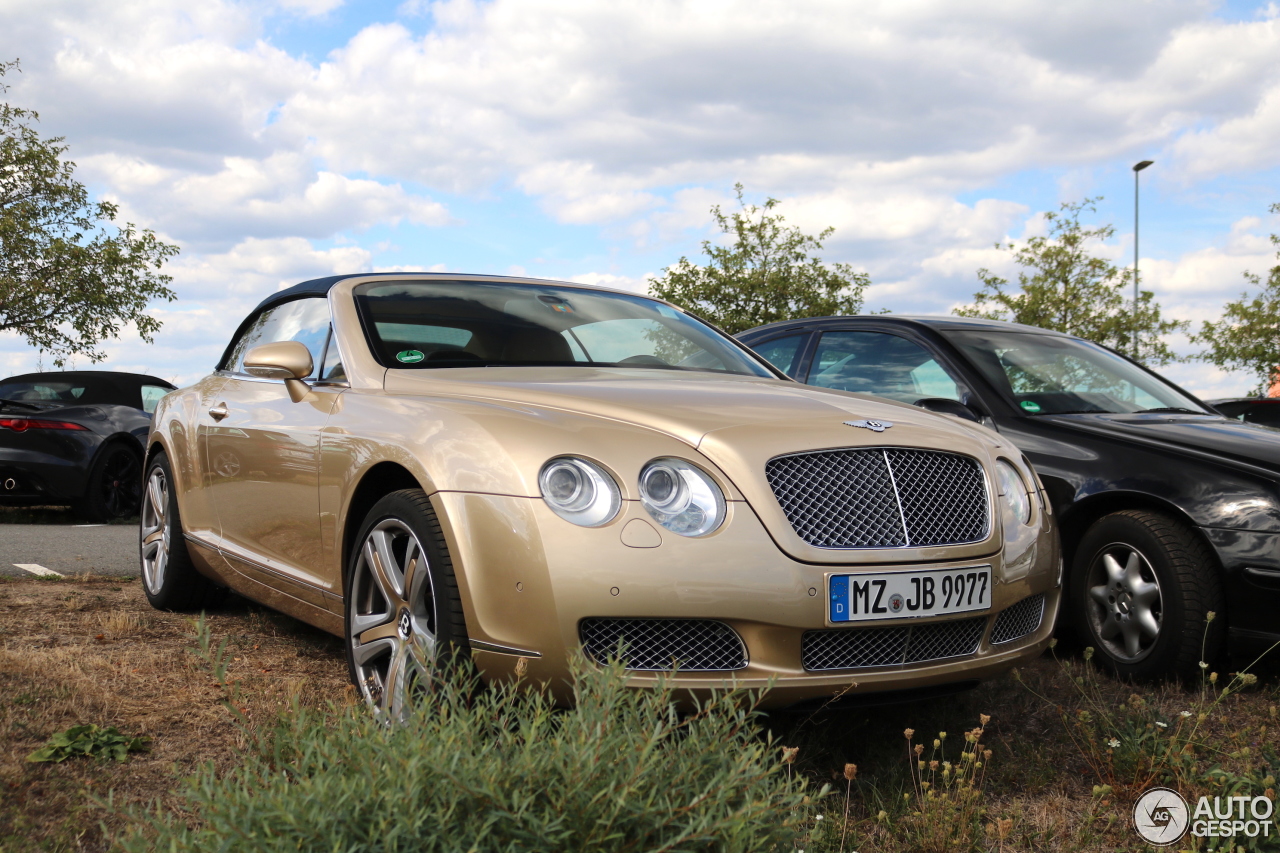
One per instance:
(90, 650)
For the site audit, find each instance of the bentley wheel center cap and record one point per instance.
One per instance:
(405, 626)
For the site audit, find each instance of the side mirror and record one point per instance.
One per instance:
(943, 406)
(287, 360)
(279, 360)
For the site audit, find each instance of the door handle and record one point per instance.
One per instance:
(219, 411)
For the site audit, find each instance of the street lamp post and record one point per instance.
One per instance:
(1137, 167)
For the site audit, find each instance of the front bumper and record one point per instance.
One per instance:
(529, 579)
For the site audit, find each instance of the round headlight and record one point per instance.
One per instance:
(1013, 492)
(579, 491)
(681, 497)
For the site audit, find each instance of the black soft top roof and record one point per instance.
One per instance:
(101, 386)
(321, 286)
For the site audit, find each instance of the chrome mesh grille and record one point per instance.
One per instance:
(1019, 620)
(852, 648)
(657, 645)
(881, 497)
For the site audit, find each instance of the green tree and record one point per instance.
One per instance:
(1248, 335)
(767, 274)
(1064, 287)
(69, 278)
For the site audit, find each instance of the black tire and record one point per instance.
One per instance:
(169, 577)
(113, 488)
(401, 623)
(1119, 561)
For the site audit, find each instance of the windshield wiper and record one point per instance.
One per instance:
(1177, 410)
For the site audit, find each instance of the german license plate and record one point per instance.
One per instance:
(896, 595)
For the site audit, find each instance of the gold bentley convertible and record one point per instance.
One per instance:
(536, 470)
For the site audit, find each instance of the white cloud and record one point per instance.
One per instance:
(280, 195)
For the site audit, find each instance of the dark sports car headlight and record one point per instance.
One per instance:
(579, 491)
(681, 497)
(1013, 492)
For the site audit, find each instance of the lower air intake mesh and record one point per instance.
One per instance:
(1019, 620)
(852, 648)
(659, 645)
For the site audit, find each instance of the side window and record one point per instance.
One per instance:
(332, 371)
(881, 364)
(303, 320)
(783, 353)
(151, 395)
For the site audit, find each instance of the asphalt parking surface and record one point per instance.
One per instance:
(69, 549)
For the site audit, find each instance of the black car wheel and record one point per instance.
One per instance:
(403, 610)
(1143, 585)
(114, 487)
(169, 578)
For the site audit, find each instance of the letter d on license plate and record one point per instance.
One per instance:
(898, 595)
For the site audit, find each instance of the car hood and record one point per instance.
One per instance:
(1248, 443)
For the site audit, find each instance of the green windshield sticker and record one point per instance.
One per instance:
(1030, 406)
(409, 356)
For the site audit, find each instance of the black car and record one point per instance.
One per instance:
(1168, 510)
(1251, 410)
(76, 437)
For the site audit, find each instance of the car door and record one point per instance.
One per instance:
(263, 456)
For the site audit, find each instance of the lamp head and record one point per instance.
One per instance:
(1138, 167)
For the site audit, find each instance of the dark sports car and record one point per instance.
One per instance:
(1168, 510)
(76, 437)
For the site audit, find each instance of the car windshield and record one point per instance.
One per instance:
(416, 324)
(1052, 375)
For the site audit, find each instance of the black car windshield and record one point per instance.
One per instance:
(434, 324)
(1052, 375)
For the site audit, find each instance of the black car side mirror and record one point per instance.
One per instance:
(943, 406)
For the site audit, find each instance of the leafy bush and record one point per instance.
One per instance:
(500, 769)
(89, 741)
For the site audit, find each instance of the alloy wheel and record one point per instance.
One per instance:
(155, 530)
(119, 484)
(391, 623)
(1125, 607)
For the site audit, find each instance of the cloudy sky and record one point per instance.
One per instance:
(279, 141)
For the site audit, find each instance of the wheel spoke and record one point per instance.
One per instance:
(366, 652)
(1115, 573)
(422, 645)
(1133, 573)
(399, 674)
(1110, 628)
(374, 631)
(390, 575)
(416, 571)
(1101, 595)
(1148, 625)
(156, 497)
(1132, 637)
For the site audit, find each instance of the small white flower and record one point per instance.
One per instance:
(1113, 742)
(1184, 713)
(1163, 725)
(819, 817)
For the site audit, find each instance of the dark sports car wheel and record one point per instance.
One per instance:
(403, 611)
(169, 578)
(1143, 585)
(114, 486)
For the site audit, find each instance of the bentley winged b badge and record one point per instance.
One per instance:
(874, 426)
